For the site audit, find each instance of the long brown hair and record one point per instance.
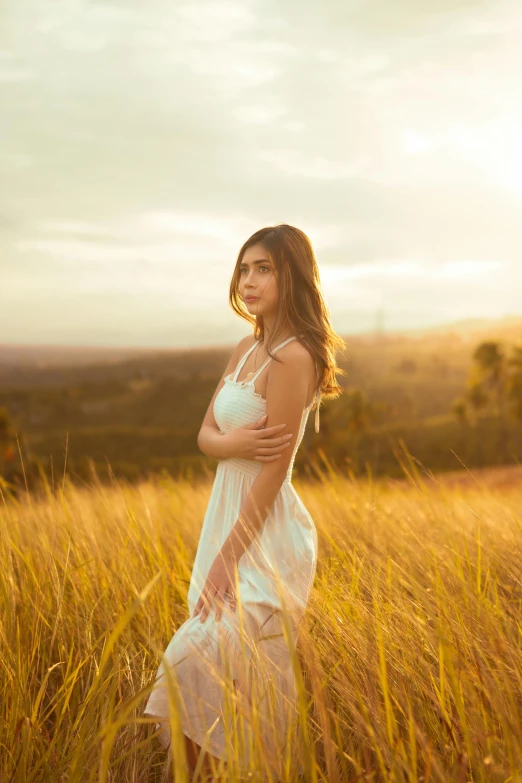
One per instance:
(300, 300)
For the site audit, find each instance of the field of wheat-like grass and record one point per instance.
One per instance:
(410, 653)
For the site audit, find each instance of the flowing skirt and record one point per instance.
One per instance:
(234, 680)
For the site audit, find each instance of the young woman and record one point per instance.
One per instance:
(257, 553)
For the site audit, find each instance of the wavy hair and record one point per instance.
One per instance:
(300, 302)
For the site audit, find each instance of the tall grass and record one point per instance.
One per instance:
(410, 656)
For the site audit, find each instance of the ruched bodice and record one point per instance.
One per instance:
(237, 404)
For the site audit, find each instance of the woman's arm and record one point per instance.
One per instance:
(288, 386)
(211, 440)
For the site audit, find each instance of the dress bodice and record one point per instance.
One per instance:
(237, 404)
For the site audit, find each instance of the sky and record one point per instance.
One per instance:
(142, 143)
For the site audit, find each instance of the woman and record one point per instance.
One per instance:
(257, 551)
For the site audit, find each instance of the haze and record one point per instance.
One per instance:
(141, 144)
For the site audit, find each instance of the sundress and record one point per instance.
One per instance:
(275, 577)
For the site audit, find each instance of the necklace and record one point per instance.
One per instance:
(255, 362)
(252, 372)
(255, 358)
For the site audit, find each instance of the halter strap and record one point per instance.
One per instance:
(242, 361)
(269, 357)
(252, 380)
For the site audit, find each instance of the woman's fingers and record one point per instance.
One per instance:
(273, 438)
(221, 595)
(206, 599)
(201, 600)
(220, 581)
(268, 446)
(205, 610)
(220, 599)
(199, 604)
(269, 454)
(268, 432)
(231, 599)
(266, 451)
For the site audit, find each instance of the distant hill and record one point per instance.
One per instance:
(72, 355)
(47, 356)
(140, 409)
(477, 327)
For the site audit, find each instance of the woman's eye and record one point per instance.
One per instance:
(262, 266)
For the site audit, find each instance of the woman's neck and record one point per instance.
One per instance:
(283, 333)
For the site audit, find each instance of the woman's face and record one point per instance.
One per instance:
(257, 279)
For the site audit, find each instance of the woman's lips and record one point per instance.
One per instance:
(251, 298)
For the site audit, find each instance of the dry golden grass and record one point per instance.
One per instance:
(411, 650)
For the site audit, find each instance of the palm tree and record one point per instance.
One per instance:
(477, 400)
(460, 409)
(492, 368)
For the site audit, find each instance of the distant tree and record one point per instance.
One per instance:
(477, 400)
(407, 366)
(7, 443)
(410, 404)
(440, 365)
(460, 409)
(359, 411)
(491, 365)
(382, 412)
(5, 425)
(514, 384)
(492, 368)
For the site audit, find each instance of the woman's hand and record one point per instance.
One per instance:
(219, 582)
(254, 441)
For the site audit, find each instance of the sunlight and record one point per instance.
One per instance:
(414, 142)
(496, 150)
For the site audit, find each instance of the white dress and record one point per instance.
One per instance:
(276, 570)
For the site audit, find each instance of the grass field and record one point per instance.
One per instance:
(411, 649)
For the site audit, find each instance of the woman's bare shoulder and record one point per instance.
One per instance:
(244, 344)
(241, 348)
(297, 354)
(295, 361)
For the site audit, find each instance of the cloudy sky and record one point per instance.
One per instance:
(141, 143)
